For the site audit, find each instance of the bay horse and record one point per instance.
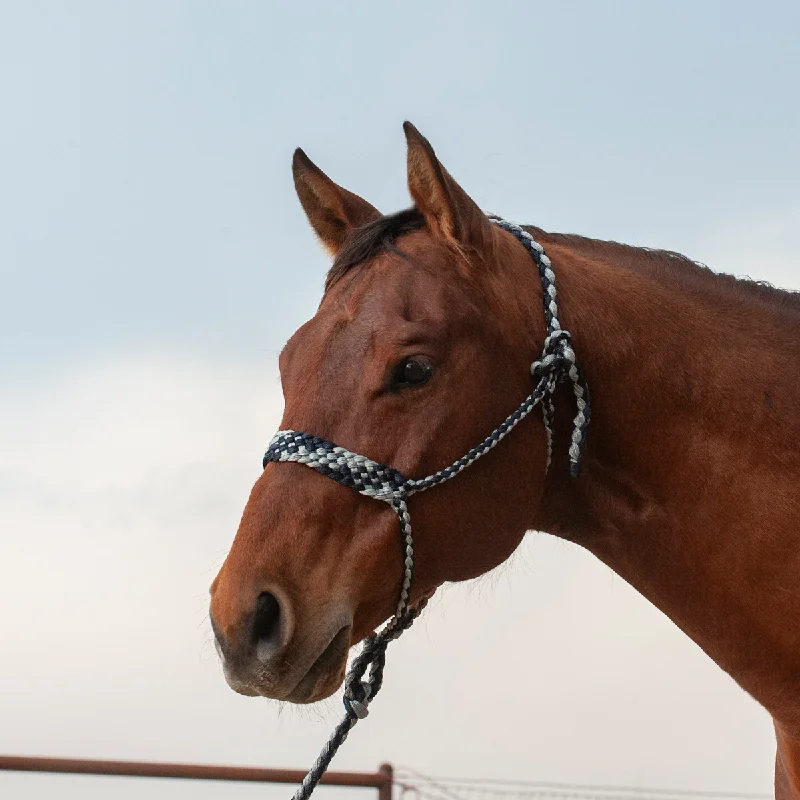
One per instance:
(423, 342)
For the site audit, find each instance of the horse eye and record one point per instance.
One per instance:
(411, 372)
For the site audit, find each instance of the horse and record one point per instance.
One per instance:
(423, 341)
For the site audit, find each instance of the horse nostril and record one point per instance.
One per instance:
(266, 623)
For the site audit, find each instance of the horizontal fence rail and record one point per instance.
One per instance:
(380, 780)
(410, 784)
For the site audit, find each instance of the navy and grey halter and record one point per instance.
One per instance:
(557, 364)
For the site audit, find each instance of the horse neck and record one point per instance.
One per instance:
(688, 488)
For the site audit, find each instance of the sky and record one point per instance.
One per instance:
(153, 261)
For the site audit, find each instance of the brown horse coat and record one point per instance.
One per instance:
(689, 489)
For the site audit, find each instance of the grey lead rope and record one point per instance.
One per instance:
(370, 478)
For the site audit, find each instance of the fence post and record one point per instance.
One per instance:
(385, 789)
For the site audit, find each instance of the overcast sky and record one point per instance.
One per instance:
(154, 259)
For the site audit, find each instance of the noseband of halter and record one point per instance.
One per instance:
(557, 364)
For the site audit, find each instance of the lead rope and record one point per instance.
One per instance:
(557, 363)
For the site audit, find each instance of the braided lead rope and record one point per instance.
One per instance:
(370, 478)
(357, 694)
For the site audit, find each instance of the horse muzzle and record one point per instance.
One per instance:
(268, 653)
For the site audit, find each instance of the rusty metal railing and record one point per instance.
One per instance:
(381, 780)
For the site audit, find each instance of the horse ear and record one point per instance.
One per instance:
(449, 211)
(332, 211)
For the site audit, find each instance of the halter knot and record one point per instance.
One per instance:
(352, 704)
(557, 357)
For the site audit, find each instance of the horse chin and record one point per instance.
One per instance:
(326, 674)
(320, 681)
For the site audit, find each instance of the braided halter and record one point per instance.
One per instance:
(368, 477)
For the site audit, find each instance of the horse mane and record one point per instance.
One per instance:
(667, 265)
(381, 235)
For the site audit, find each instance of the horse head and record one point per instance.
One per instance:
(421, 345)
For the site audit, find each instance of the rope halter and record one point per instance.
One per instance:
(557, 364)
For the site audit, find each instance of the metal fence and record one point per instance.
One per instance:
(381, 780)
(410, 784)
